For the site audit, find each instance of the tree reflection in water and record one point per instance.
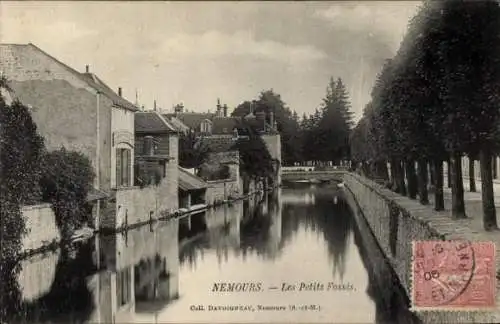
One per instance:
(69, 299)
(331, 221)
(152, 285)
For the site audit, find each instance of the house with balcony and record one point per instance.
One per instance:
(156, 158)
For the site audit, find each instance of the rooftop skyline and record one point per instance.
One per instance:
(194, 53)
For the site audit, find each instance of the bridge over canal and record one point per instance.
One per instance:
(312, 175)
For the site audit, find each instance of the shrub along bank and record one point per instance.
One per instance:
(32, 175)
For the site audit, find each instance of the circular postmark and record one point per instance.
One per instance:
(443, 271)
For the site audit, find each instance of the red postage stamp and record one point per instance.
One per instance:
(453, 275)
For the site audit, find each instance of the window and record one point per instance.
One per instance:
(123, 287)
(163, 168)
(205, 127)
(123, 167)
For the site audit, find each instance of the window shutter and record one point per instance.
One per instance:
(127, 168)
(118, 168)
(119, 291)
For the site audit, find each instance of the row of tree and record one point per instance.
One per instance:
(437, 100)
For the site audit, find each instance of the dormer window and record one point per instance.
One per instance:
(206, 126)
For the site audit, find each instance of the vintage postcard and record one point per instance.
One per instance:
(249, 161)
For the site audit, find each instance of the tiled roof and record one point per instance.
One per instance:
(99, 85)
(224, 125)
(192, 120)
(177, 124)
(188, 181)
(218, 143)
(96, 194)
(151, 122)
(92, 80)
(257, 124)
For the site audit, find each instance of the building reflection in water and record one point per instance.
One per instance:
(55, 287)
(115, 278)
(138, 272)
(261, 226)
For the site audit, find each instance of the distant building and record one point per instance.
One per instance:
(221, 130)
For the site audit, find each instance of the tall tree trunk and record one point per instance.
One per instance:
(448, 168)
(401, 178)
(422, 182)
(411, 176)
(393, 182)
(384, 173)
(432, 174)
(438, 190)
(457, 187)
(489, 212)
(495, 174)
(472, 176)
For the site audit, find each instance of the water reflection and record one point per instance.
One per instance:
(156, 273)
(62, 294)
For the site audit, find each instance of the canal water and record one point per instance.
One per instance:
(294, 255)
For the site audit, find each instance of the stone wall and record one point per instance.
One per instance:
(37, 274)
(220, 190)
(136, 205)
(172, 177)
(41, 226)
(230, 158)
(273, 143)
(395, 221)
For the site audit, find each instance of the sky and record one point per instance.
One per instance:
(196, 52)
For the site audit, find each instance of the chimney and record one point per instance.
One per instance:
(225, 110)
(251, 107)
(261, 117)
(87, 70)
(120, 91)
(154, 105)
(218, 108)
(148, 148)
(271, 119)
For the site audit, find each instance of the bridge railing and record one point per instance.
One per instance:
(313, 169)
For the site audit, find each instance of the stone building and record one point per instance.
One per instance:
(78, 111)
(75, 110)
(156, 157)
(221, 128)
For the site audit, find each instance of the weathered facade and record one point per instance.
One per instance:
(157, 156)
(154, 191)
(91, 118)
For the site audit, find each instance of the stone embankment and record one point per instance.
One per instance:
(396, 221)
